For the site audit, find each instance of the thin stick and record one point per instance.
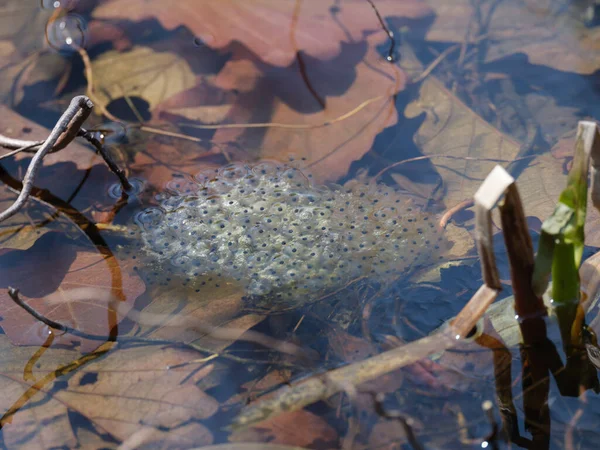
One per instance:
(390, 56)
(322, 386)
(33, 147)
(449, 213)
(213, 332)
(295, 126)
(112, 165)
(463, 158)
(79, 108)
(19, 144)
(435, 63)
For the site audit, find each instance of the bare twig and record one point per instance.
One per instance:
(112, 165)
(66, 129)
(390, 56)
(33, 147)
(79, 109)
(114, 337)
(322, 386)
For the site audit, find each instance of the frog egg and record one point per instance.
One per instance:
(261, 286)
(270, 222)
(172, 203)
(203, 177)
(181, 260)
(278, 208)
(307, 214)
(322, 215)
(257, 235)
(233, 172)
(150, 218)
(266, 169)
(260, 258)
(295, 178)
(261, 207)
(219, 186)
(182, 186)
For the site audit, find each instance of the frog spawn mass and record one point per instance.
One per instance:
(286, 241)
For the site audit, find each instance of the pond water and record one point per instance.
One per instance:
(301, 176)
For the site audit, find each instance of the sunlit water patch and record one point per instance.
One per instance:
(286, 241)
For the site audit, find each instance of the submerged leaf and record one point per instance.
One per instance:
(73, 286)
(548, 33)
(463, 146)
(124, 392)
(140, 72)
(274, 30)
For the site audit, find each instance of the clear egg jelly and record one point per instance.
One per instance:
(266, 227)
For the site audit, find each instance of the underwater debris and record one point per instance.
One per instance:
(284, 240)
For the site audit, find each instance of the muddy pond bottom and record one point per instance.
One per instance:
(286, 241)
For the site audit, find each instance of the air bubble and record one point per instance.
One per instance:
(66, 34)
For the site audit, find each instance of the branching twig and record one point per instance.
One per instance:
(114, 337)
(65, 130)
(80, 106)
(120, 173)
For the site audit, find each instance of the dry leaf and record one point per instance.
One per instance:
(274, 30)
(452, 129)
(334, 111)
(177, 308)
(546, 34)
(140, 72)
(301, 428)
(321, 75)
(73, 285)
(128, 390)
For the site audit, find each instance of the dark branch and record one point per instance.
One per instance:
(112, 165)
(67, 128)
(390, 56)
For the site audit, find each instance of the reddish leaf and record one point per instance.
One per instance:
(300, 428)
(67, 284)
(322, 76)
(331, 112)
(275, 30)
